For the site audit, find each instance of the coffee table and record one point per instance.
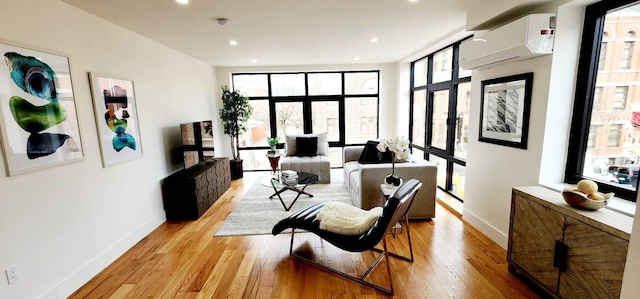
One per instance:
(304, 179)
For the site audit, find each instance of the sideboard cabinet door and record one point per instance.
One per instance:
(534, 231)
(595, 262)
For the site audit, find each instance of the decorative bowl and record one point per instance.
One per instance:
(580, 200)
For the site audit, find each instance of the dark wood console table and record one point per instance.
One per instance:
(188, 193)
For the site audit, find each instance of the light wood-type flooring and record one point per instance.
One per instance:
(184, 260)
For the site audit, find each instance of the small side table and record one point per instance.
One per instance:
(274, 159)
(387, 191)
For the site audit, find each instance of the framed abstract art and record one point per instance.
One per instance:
(114, 104)
(38, 120)
(506, 104)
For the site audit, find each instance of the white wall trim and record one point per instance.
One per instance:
(491, 231)
(77, 279)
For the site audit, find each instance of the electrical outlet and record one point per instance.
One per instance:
(12, 275)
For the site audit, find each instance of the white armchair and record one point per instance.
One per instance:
(302, 154)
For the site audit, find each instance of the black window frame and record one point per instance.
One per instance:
(592, 38)
(307, 101)
(451, 85)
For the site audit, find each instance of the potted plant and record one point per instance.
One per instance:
(273, 141)
(234, 114)
(399, 148)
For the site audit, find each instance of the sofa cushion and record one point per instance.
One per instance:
(319, 165)
(323, 144)
(306, 146)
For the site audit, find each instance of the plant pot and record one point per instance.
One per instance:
(393, 180)
(236, 169)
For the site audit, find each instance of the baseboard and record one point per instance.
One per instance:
(77, 279)
(491, 231)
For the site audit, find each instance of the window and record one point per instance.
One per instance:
(603, 51)
(361, 120)
(620, 98)
(439, 118)
(420, 72)
(344, 104)
(440, 99)
(442, 65)
(368, 125)
(597, 103)
(605, 106)
(627, 51)
(321, 113)
(614, 136)
(419, 117)
(591, 143)
(462, 120)
(332, 126)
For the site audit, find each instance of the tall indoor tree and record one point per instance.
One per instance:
(234, 114)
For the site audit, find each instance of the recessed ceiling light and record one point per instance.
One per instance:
(183, 1)
(233, 42)
(413, 0)
(254, 60)
(356, 59)
(374, 39)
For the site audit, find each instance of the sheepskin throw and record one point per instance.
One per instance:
(342, 218)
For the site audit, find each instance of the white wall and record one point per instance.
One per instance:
(488, 197)
(493, 170)
(60, 226)
(389, 92)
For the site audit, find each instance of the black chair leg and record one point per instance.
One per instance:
(396, 255)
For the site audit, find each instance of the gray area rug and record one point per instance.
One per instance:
(256, 214)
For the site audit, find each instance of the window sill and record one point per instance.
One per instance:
(615, 204)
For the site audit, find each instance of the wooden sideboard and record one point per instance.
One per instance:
(188, 193)
(566, 252)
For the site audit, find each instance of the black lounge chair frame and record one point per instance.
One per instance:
(394, 210)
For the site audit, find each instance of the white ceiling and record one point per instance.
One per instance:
(288, 32)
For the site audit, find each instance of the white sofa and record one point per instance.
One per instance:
(317, 164)
(363, 182)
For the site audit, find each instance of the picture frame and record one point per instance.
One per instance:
(115, 107)
(505, 108)
(38, 116)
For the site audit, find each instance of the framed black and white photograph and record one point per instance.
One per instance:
(506, 104)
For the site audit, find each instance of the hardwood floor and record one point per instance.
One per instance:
(184, 260)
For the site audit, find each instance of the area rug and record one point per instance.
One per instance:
(256, 214)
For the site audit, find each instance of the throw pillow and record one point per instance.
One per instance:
(306, 146)
(322, 147)
(369, 153)
(386, 156)
(323, 144)
(290, 145)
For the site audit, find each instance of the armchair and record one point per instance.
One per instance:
(303, 154)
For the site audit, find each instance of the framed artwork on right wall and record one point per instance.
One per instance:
(506, 105)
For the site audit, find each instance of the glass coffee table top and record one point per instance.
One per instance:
(304, 179)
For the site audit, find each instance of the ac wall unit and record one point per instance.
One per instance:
(525, 38)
